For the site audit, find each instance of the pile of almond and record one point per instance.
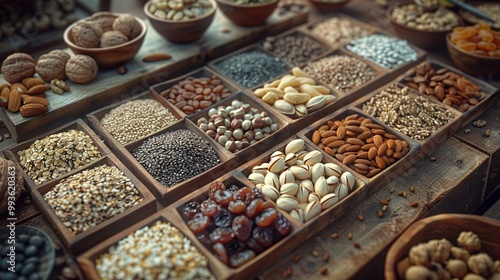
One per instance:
(26, 97)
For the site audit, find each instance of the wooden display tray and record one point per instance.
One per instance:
(79, 125)
(85, 98)
(77, 243)
(168, 195)
(262, 145)
(385, 176)
(327, 216)
(438, 136)
(203, 72)
(489, 92)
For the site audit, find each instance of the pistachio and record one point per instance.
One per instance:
(300, 172)
(315, 103)
(276, 165)
(301, 155)
(317, 171)
(301, 110)
(313, 157)
(261, 169)
(302, 194)
(320, 187)
(331, 169)
(291, 159)
(313, 197)
(312, 210)
(289, 188)
(348, 179)
(332, 183)
(328, 200)
(296, 97)
(308, 185)
(256, 178)
(294, 146)
(270, 192)
(272, 180)
(277, 154)
(341, 191)
(329, 99)
(297, 214)
(284, 107)
(286, 177)
(287, 203)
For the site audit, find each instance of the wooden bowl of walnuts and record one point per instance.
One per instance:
(458, 246)
(111, 39)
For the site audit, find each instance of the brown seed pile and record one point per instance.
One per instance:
(407, 111)
(340, 31)
(136, 119)
(58, 154)
(341, 72)
(360, 144)
(295, 49)
(91, 197)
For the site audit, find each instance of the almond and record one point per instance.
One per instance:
(353, 148)
(4, 85)
(33, 110)
(31, 82)
(355, 141)
(14, 100)
(27, 99)
(20, 87)
(349, 159)
(316, 137)
(372, 153)
(382, 149)
(329, 133)
(38, 89)
(329, 140)
(5, 93)
(336, 144)
(377, 140)
(341, 132)
(380, 162)
(156, 57)
(364, 135)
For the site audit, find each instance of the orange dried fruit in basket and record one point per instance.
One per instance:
(486, 46)
(483, 26)
(475, 39)
(467, 46)
(486, 35)
(454, 38)
(468, 32)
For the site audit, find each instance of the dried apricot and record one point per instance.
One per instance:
(254, 208)
(221, 253)
(467, 46)
(223, 218)
(198, 223)
(494, 53)
(267, 217)
(222, 235)
(190, 209)
(486, 36)
(209, 207)
(241, 258)
(282, 225)
(236, 206)
(242, 227)
(486, 46)
(223, 197)
(263, 236)
(245, 194)
(216, 185)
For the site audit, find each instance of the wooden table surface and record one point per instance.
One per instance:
(463, 174)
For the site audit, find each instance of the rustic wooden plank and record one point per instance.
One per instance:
(494, 211)
(433, 187)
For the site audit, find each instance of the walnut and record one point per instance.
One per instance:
(421, 254)
(457, 268)
(52, 65)
(469, 241)
(459, 253)
(112, 38)
(480, 264)
(104, 20)
(18, 66)
(417, 272)
(441, 249)
(81, 69)
(86, 34)
(128, 25)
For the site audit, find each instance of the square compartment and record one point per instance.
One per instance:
(77, 243)
(255, 47)
(203, 72)
(261, 145)
(386, 175)
(78, 125)
(168, 195)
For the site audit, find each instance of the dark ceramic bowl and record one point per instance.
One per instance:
(247, 14)
(327, 6)
(473, 64)
(426, 39)
(181, 31)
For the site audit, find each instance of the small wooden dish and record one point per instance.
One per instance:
(79, 125)
(247, 14)
(262, 145)
(327, 6)
(168, 195)
(77, 243)
(441, 226)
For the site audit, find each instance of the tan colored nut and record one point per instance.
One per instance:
(52, 65)
(312, 210)
(86, 34)
(287, 203)
(127, 25)
(27, 99)
(81, 69)
(31, 82)
(14, 100)
(32, 110)
(61, 84)
(300, 172)
(294, 146)
(18, 66)
(272, 179)
(104, 20)
(112, 38)
(38, 89)
(289, 188)
(328, 200)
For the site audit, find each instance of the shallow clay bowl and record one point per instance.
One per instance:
(110, 56)
(441, 226)
(473, 64)
(328, 6)
(426, 39)
(181, 31)
(247, 14)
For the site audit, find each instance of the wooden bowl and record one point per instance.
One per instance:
(110, 56)
(473, 64)
(247, 14)
(327, 6)
(181, 31)
(427, 39)
(446, 226)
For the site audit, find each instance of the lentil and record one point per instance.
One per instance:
(136, 119)
(179, 10)
(415, 16)
(251, 68)
(349, 236)
(386, 51)
(91, 197)
(297, 258)
(237, 126)
(295, 49)
(175, 156)
(57, 154)
(159, 251)
(341, 72)
(339, 31)
(407, 112)
(194, 94)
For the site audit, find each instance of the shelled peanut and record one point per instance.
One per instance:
(295, 94)
(193, 94)
(300, 183)
(359, 143)
(446, 86)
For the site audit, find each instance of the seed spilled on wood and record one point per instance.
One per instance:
(334, 235)
(357, 245)
(487, 133)
(384, 208)
(384, 201)
(323, 270)
(414, 204)
(412, 189)
(326, 256)
(403, 194)
(315, 253)
(297, 258)
(349, 236)
(433, 158)
(360, 217)
(392, 190)
(287, 272)
(380, 214)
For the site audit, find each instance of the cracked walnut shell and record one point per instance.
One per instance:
(86, 34)
(81, 69)
(18, 66)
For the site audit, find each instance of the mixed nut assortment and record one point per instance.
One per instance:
(417, 17)
(441, 259)
(179, 10)
(300, 182)
(235, 223)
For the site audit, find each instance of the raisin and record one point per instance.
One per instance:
(190, 209)
(241, 258)
(233, 188)
(209, 207)
(235, 247)
(223, 197)
(242, 227)
(223, 218)
(254, 245)
(267, 217)
(204, 238)
(236, 206)
(263, 236)
(221, 253)
(222, 235)
(216, 185)
(282, 225)
(245, 194)
(254, 208)
(198, 223)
